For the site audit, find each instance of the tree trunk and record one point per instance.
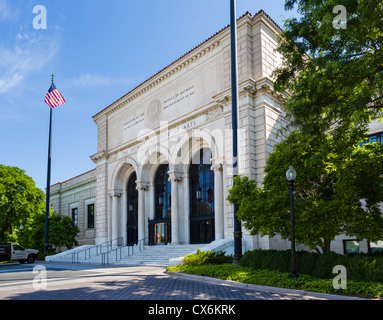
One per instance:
(326, 246)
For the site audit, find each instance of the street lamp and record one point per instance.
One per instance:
(291, 174)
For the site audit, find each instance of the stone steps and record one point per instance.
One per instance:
(149, 255)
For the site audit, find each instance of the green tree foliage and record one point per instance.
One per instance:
(334, 193)
(22, 203)
(62, 232)
(333, 74)
(20, 200)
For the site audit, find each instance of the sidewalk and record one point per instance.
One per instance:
(96, 282)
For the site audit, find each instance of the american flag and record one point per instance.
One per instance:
(54, 98)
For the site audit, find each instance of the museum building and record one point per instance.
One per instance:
(164, 149)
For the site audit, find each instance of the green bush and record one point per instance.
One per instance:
(279, 279)
(202, 257)
(360, 267)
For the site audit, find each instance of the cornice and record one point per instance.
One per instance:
(73, 186)
(185, 60)
(98, 156)
(158, 79)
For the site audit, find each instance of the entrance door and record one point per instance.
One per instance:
(160, 226)
(132, 205)
(201, 198)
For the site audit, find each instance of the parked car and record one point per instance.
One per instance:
(13, 251)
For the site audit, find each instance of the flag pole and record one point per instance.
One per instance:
(48, 181)
(234, 119)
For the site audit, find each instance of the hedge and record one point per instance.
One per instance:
(359, 267)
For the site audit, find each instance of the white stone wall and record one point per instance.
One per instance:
(185, 107)
(77, 192)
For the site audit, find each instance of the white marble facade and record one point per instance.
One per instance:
(170, 118)
(164, 127)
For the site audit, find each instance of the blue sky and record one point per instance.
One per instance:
(98, 51)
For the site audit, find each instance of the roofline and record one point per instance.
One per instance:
(79, 175)
(260, 12)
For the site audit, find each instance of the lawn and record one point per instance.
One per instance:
(275, 278)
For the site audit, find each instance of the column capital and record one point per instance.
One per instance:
(175, 176)
(216, 167)
(217, 164)
(115, 193)
(142, 185)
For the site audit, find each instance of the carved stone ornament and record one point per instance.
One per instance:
(213, 113)
(154, 110)
(175, 176)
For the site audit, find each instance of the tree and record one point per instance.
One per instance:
(334, 192)
(19, 200)
(333, 71)
(62, 232)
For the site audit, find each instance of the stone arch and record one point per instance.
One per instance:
(147, 169)
(122, 173)
(190, 142)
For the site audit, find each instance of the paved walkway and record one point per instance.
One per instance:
(143, 283)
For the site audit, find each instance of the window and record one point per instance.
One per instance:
(160, 226)
(162, 193)
(75, 216)
(377, 137)
(18, 247)
(90, 211)
(350, 246)
(132, 214)
(375, 246)
(201, 198)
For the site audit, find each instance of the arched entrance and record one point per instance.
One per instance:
(201, 198)
(132, 208)
(160, 226)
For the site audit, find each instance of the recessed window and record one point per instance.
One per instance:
(75, 216)
(375, 246)
(350, 246)
(90, 212)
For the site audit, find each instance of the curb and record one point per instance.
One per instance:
(293, 292)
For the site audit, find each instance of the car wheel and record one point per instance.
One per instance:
(31, 259)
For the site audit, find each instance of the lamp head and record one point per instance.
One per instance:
(291, 174)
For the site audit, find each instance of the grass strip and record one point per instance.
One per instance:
(274, 278)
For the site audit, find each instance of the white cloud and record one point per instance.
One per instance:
(28, 52)
(95, 80)
(6, 12)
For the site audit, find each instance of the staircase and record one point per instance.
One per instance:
(136, 255)
(158, 255)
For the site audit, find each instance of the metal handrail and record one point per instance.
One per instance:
(99, 247)
(140, 244)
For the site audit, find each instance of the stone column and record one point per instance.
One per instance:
(218, 200)
(115, 221)
(174, 178)
(141, 187)
(186, 208)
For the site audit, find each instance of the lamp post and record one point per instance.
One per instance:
(291, 174)
(234, 119)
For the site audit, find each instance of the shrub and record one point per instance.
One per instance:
(202, 257)
(360, 267)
